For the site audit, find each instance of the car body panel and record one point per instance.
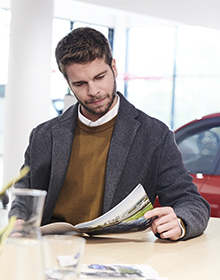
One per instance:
(210, 190)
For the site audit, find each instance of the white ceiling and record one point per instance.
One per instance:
(196, 12)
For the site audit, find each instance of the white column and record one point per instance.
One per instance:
(27, 98)
(119, 48)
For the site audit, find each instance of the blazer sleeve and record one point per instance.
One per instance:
(176, 189)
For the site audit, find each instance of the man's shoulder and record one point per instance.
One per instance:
(69, 115)
(152, 121)
(130, 111)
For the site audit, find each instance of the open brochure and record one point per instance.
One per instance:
(127, 216)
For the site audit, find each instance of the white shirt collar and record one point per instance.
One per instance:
(104, 119)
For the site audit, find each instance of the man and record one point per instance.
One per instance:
(92, 156)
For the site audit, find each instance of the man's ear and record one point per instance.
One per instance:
(114, 68)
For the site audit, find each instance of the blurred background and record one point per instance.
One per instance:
(167, 54)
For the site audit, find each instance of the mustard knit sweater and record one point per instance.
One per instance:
(81, 197)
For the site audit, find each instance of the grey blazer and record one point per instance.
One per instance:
(142, 150)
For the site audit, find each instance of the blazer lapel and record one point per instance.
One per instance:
(62, 138)
(123, 135)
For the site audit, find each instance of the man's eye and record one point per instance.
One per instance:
(79, 84)
(100, 77)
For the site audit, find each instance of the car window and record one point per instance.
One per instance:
(200, 150)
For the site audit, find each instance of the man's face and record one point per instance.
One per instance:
(94, 86)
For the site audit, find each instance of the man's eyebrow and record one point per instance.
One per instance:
(103, 72)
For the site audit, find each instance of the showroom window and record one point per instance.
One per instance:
(173, 73)
(150, 63)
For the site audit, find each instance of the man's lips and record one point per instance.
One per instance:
(96, 102)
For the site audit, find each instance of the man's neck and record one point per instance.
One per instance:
(103, 119)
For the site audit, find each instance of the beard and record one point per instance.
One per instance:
(100, 111)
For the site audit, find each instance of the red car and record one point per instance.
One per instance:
(199, 142)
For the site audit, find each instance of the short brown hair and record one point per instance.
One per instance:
(82, 45)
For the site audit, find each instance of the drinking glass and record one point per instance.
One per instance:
(27, 205)
(62, 256)
(21, 256)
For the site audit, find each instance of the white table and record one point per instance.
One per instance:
(197, 258)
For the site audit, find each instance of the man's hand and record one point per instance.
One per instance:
(166, 223)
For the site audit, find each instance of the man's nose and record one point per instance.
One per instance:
(93, 89)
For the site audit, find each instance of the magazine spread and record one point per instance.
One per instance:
(127, 216)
